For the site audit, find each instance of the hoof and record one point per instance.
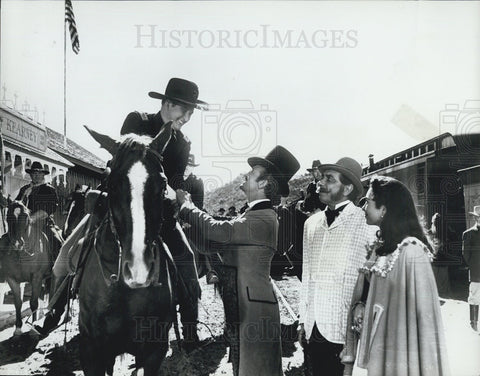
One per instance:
(17, 332)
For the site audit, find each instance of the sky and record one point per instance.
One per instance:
(323, 79)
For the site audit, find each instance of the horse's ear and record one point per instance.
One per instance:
(160, 142)
(106, 142)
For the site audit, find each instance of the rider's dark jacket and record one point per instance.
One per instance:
(175, 156)
(175, 159)
(40, 197)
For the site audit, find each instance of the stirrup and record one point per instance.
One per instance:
(212, 278)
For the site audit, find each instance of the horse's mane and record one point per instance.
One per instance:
(135, 141)
(132, 146)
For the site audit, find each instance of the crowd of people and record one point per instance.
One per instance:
(366, 267)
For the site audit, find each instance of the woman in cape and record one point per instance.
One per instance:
(402, 331)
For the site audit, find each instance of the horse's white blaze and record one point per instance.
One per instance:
(138, 177)
(16, 212)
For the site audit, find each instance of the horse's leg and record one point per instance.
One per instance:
(110, 364)
(36, 283)
(15, 287)
(153, 360)
(92, 358)
(156, 352)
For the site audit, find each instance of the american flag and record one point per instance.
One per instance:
(72, 27)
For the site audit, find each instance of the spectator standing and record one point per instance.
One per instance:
(471, 254)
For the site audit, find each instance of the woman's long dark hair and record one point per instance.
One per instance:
(401, 219)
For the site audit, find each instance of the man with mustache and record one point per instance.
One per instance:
(335, 244)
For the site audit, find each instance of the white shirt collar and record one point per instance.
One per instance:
(255, 202)
(343, 203)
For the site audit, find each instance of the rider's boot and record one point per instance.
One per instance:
(53, 316)
(188, 288)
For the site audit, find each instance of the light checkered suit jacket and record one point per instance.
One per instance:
(331, 259)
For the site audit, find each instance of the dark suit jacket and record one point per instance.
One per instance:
(175, 156)
(471, 252)
(312, 201)
(194, 186)
(43, 197)
(247, 244)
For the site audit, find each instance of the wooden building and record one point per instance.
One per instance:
(432, 171)
(26, 141)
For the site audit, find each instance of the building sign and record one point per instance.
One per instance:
(23, 131)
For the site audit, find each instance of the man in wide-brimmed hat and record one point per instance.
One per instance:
(42, 200)
(312, 202)
(40, 197)
(471, 254)
(178, 103)
(334, 248)
(247, 244)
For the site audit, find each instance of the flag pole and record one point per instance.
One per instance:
(64, 78)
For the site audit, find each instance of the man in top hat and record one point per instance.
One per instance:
(334, 248)
(247, 244)
(178, 103)
(41, 198)
(471, 254)
(312, 202)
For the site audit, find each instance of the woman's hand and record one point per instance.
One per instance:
(358, 313)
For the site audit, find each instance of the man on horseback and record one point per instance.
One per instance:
(42, 201)
(178, 103)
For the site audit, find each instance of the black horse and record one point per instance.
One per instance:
(24, 257)
(76, 210)
(125, 296)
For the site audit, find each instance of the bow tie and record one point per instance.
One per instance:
(332, 214)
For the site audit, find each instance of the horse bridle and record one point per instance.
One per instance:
(151, 244)
(22, 247)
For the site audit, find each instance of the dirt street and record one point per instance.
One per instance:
(25, 355)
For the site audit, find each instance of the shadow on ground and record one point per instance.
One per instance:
(200, 362)
(64, 360)
(18, 348)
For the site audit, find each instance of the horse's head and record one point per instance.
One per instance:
(18, 220)
(136, 188)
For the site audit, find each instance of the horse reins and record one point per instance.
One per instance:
(114, 278)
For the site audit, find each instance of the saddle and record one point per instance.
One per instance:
(96, 207)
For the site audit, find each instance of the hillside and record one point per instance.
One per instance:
(230, 194)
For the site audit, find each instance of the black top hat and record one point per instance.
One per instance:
(315, 164)
(350, 168)
(281, 164)
(191, 161)
(181, 91)
(37, 167)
